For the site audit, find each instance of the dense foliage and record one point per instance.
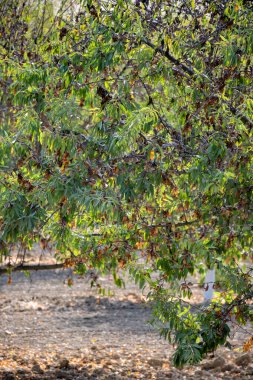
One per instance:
(125, 142)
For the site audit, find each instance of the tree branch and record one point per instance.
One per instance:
(33, 267)
(243, 118)
(165, 53)
(170, 57)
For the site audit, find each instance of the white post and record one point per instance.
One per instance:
(209, 281)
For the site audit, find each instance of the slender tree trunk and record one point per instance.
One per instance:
(209, 280)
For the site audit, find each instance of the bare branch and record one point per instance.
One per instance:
(31, 267)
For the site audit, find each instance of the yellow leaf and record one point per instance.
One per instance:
(248, 344)
(152, 155)
(236, 7)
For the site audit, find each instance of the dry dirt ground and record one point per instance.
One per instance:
(49, 330)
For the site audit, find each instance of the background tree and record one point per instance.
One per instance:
(125, 142)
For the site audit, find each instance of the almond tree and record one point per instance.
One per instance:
(125, 142)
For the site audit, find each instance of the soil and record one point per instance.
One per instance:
(49, 330)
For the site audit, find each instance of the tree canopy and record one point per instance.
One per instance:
(126, 143)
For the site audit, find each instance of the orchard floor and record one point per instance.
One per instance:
(49, 330)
